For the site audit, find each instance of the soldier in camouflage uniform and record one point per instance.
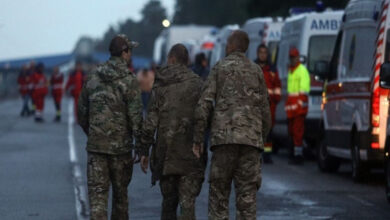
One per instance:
(171, 113)
(110, 113)
(235, 98)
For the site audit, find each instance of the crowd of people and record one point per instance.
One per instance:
(34, 86)
(172, 115)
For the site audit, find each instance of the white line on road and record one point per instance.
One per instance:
(79, 188)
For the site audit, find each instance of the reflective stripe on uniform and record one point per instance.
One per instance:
(298, 151)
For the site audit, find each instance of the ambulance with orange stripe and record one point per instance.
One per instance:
(355, 108)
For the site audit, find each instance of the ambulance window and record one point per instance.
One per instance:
(357, 58)
(320, 49)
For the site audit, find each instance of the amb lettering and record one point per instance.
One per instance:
(329, 24)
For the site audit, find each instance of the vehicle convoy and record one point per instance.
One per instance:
(220, 43)
(189, 35)
(355, 108)
(314, 35)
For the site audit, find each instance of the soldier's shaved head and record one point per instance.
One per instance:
(178, 54)
(238, 41)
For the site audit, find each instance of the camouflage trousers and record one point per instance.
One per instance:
(103, 170)
(239, 164)
(179, 190)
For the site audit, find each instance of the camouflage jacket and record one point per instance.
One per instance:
(171, 114)
(110, 108)
(235, 98)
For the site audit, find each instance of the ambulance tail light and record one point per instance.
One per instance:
(208, 45)
(375, 102)
(375, 105)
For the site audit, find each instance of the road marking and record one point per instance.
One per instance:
(79, 188)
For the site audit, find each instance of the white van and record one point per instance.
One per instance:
(355, 107)
(189, 35)
(218, 52)
(314, 35)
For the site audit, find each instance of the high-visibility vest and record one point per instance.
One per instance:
(298, 88)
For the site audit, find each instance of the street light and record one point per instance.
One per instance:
(166, 23)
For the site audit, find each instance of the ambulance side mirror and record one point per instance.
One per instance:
(321, 69)
(384, 76)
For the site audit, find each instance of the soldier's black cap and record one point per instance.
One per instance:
(121, 43)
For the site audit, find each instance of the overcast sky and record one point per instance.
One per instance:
(45, 27)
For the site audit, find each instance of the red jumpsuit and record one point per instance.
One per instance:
(56, 81)
(273, 83)
(40, 90)
(24, 83)
(75, 84)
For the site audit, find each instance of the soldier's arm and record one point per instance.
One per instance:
(205, 106)
(83, 109)
(134, 111)
(264, 105)
(150, 124)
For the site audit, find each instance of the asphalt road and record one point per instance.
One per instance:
(43, 166)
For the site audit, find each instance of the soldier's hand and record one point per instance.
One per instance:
(198, 150)
(144, 163)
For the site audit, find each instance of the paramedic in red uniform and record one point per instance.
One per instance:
(40, 90)
(75, 84)
(272, 80)
(56, 82)
(298, 88)
(24, 90)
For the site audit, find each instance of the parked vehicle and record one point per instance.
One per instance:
(355, 107)
(190, 35)
(218, 52)
(314, 35)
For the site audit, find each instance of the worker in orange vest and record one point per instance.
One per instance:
(75, 84)
(56, 82)
(40, 90)
(298, 88)
(272, 80)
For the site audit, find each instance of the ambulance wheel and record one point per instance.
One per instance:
(326, 162)
(359, 169)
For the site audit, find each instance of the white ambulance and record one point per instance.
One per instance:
(314, 35)
(218, 52)
(355, 108)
